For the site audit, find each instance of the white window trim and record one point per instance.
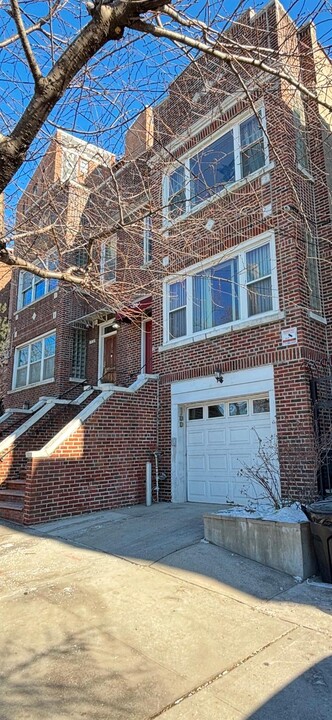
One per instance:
(112, 241)
(147, 239)
(35, 280)
(244, 321)
(28, 344)
(239, 179)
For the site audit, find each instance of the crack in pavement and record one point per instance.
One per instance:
(218, 676)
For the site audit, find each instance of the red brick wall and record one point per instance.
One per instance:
(102, 465)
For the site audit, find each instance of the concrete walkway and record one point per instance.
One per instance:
(129, 615)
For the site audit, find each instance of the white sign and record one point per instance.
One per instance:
(289, 337)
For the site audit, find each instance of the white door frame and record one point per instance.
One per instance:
(253, 381)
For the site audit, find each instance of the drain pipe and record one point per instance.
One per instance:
(148, 486)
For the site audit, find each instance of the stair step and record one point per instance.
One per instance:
(15, 484)
(11, 505)
(9, 494)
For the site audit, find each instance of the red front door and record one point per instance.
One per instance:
(147, 329)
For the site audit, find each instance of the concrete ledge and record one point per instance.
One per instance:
(280, 545)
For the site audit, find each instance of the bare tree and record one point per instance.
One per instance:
(93, 77)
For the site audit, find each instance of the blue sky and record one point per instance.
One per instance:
(116, 85)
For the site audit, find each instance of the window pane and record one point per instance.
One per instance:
(23, 356)
(40, 289)
(26, 297)
(34, 372)
(212, 168)
(300, 139)
(36, 352)
(177, 295)
(195, 413)
(253, 158)
(177, 193)
(215, 296)
(238, 408)
(48, 368)
(52, 284)
(26, 280)
(49, 346)
(313, 274)
(261, 406)
(258, 263)
(177, 323)
(260, 297)
(250, 131)
(215, 411)
(21, 377)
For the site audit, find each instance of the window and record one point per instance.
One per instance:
(239, 152)
(69, 166)
(261, 406)
(34, 362)
(238, 408)
(147, 239)
(32, 287)
(312, 272)
(81, 257)
(216, 411)
(195, 413)
(78, 366)
(108, 261)
(237, 288)
(301, 148)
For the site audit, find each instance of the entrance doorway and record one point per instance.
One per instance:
(107, 354)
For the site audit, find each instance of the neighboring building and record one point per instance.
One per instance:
(213, 322)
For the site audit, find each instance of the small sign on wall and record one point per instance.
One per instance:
(289, 336)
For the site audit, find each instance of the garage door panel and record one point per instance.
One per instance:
(216, 437)
(196, 462)
(236, 461)
(217, 462)
(239, 435)
(198, 491)
(196, 438)
(218, 491)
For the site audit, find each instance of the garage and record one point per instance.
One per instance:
(221, 436)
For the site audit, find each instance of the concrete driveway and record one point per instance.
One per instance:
(128, 614)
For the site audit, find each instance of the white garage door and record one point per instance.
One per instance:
(220, 438)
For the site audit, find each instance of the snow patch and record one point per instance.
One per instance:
(290, 513)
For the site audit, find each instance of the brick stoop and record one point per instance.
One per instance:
(13, 460)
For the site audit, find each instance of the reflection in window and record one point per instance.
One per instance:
(238, 408)
(195, 413)
(261, 406)
(34, 362)
(215, 411)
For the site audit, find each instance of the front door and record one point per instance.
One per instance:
(109, 359)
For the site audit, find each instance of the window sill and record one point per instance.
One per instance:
(27, 387)
(318, 318)
(168, 224)
(146, 265)
(237, 326)
(26, 307)
(77, 380)
(306, 173)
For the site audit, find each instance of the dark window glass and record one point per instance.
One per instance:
(215, 411)
(195, 413)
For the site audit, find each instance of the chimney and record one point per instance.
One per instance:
(139, 137)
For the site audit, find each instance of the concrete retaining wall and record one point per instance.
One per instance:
(283, 546)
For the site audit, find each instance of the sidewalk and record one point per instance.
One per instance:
(129, 615)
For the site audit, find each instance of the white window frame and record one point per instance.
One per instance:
(35, 280)
(147, 240)
(28, 345)
(243, 320)
(184, 160)
(112, 242)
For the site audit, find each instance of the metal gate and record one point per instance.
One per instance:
(321, 393)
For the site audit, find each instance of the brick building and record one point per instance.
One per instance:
(210, 319)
